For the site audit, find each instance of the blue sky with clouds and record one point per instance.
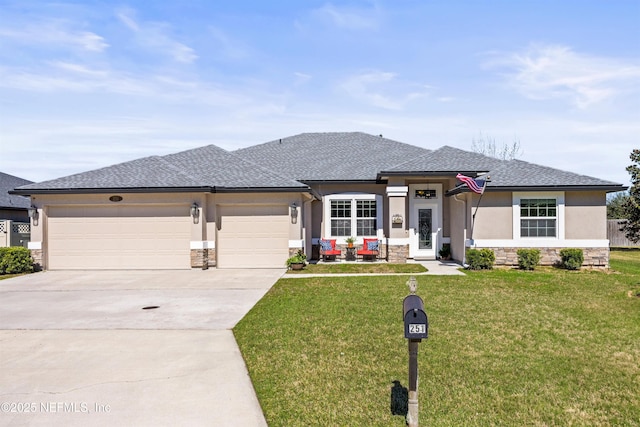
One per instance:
(86, 84)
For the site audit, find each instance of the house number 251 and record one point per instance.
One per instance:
(417, 328)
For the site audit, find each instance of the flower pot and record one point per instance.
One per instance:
(297, 266)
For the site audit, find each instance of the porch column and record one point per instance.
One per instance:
(398, 243)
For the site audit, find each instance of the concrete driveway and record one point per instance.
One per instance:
(84, 348)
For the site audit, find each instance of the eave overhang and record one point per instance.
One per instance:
(158, 190)
(13, 208)
(386, 174)
(607, 188)
(260, 190)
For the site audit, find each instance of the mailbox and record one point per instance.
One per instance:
(416, 325)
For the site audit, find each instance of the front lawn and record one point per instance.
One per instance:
(505, 347)
(377, 268)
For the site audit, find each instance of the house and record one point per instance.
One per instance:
(14, 212)
(256, 206)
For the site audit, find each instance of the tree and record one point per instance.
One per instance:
(632, 205)
(616, 205)
(487, 145)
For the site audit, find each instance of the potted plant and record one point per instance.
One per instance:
(298, 261)
(350, 241)
(445, 252)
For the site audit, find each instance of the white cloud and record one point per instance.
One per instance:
(350, 18)
(383, 89)
(55, 32)
(301, 78)
(156, 37)
(554, 71)
(73, 78)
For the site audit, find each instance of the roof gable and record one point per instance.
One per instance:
(447, 160)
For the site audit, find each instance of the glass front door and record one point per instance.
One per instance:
(424, 226)
(425, 229)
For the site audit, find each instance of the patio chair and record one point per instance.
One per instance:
(370, 249)
(328, 250)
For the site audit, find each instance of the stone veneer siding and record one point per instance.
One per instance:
(36, 254)
(293, 251)
(398, 253)
(593, 257)
(203, 258)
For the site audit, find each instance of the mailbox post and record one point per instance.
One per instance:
(416, 328)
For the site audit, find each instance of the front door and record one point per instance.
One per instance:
(424, 221)
(424, 232)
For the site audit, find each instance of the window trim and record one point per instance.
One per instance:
(354, 198)
(559, 198)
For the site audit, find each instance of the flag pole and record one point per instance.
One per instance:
(473, 217)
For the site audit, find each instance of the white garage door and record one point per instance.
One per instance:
(119, 237)
(253, 236)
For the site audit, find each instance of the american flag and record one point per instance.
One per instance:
(475, 185)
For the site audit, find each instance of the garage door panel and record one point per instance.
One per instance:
(253, 236)
(102, 238)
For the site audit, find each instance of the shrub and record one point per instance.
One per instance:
(480, 259)
(572, 258)
(528, 259)
(15, 260)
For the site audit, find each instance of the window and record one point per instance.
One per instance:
(341, 217)
(353, 214)
(538, 217)
(366, 218)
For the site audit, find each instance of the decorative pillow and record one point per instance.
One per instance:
(325, 245)
(372, 245)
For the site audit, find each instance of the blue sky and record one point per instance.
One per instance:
(86, 84)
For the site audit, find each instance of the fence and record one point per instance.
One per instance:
(617, 237)
(14, 233)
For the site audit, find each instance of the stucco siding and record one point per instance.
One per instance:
(459, 213)
(494, 219)
(585, 215)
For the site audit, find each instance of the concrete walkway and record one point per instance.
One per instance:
(442, 268)
(79, 348)
(434, 267)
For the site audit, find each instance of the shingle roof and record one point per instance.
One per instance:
(7, 183)
(216, 167)
(448, 160)
(518, 173)
(203, 167)
(287, 163)
(335, 156)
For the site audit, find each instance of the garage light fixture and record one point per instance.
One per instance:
(33, 214)
(195, 212)
(294, 213)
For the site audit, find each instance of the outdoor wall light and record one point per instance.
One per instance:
(33, 214)
(195, 213)
(294, 213)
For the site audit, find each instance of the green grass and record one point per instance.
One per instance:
(360, 268)
(506, 347)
